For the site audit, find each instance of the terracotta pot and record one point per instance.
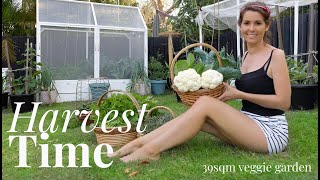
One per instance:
(48, 97)
(142, 89)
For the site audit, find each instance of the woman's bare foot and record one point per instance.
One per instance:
(143, 153)
(127, 149)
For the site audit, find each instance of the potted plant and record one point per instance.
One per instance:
(4, 92)
(139, 82)
(48, 93)
(27, 85)
(98, 86)
(304, 93)
(158, 75)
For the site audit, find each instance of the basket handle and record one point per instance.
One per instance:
(161, 107)
(191, 46)
(135, 102)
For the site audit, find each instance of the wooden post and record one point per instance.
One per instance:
(170, 49)
(280, 45)
(27, 65)
(170, 44)
(310, 44)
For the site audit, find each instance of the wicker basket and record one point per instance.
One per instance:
(189, 98)
(115, 138)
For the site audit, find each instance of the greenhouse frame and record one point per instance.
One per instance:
(81, 41)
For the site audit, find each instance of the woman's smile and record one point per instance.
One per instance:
(253, 27)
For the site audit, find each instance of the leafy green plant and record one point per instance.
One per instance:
(121, 103)
(46, 80)
(184, 22)
(139, 76)
(114, 68)
(154, 122)
(82, 70)
(30, 82)
(202, 61)
(156, 70)
(298, 72)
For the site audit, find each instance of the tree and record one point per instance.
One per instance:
(164, 9)
(148, 12)
(185, 21)
(10, 17)
(160, 5)
(21, 17)
(121, 2)
(27, 19)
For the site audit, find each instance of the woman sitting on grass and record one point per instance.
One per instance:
(265, 91)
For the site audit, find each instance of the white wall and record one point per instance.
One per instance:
(4, 71)
(68, 90)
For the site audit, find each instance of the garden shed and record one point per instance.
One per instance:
(80, 41)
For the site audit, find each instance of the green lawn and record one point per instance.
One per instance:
(182, 162)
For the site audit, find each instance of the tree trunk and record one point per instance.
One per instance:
(9, 66)
(280, 45)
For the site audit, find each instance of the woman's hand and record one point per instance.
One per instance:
(229, 93)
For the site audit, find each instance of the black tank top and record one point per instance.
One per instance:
(257, 82)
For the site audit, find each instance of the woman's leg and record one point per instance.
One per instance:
(208, 128)
(236, 127)
(137, 143)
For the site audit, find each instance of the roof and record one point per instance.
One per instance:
(70, 12)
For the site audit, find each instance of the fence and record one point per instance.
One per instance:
(20, 47)
(228, 39)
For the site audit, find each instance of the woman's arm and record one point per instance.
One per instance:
(281, 99)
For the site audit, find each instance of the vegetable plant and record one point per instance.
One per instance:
(298, 72)
(190, 80)
(202, 61)
(46, 79)
(187, 80)
(210, 79)
(121, 103)
(139, 81)
(30, 82)
(156, 70)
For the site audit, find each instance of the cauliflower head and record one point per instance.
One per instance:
(210, 79)
(187, 80)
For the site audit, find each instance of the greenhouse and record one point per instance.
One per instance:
(84, 41)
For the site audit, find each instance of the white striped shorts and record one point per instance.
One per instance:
(275, 128)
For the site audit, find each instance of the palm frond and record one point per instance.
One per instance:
(10, 48)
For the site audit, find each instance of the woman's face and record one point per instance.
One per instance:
(253, 27)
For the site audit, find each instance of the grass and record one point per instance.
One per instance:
(182, 162)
